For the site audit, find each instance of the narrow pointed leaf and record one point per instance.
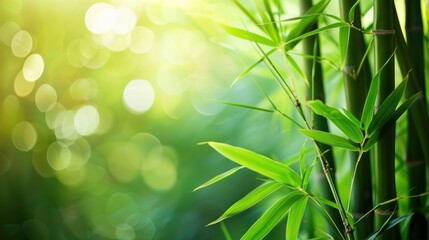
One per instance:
(247, 70)
(244, 34)
(330, 139)
(346, 125)
(219, 177)
(258, 163)
(305, 23)
(247, 13)
(293, 41)
(295, 218)
(249, 200)
(352, 117)
(272, 216)
(297, 68)
(352, 11)
(389, 224)
(375, 136)
(329, 203)
(368, 108)
(387, 108)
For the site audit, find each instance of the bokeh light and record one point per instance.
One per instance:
(45, 98)
(22, 44)
(24, 136)
(33, 67)
(86, 120)
(138, 96)
(100, 18)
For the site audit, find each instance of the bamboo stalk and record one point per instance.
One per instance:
(313, 72)
(415, 156)
(356, 86)
(385, 187)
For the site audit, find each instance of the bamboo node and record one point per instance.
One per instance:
(383, 31)
(415, 163)
(386, 212)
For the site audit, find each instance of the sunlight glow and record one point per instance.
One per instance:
(138, 96)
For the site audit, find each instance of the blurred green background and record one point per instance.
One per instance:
(102, 105)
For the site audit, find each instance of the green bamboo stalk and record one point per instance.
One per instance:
(356, 86)
(313, 72)
(415, 156)
(385, 187)
(418, 111)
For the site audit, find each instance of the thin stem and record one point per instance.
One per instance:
(353, 178)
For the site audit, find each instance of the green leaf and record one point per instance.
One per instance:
(305, 23)
(219, 177)
(297, 68)
(247, 70)
(388, 225)
(352, 117)
(249, 200)
(375, 136)
(295, 218)
(258, 163)
(330, 139)
(247, 13)
(352, 11)
(368, 108)
(272, 216)
(244, 34)
(329, 203)
(387, 108)
(347, 126)
(291, 42)
(270, 21)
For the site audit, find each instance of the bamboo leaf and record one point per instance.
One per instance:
(219, 178)
(247, 70)
(297, 68)
(375, 136)
(352, 11)
(387, 108)
(388, 225)
(272, 216)
(290, 43)
(274, 31)
(295, 218)
(368, 108)
(246, 106)
(247, 13)
(258, 163)
(329, 203)
(305, 23)
(249, 200)
(352, 117)
(330, 139)
(347, 126)
(244, 34)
